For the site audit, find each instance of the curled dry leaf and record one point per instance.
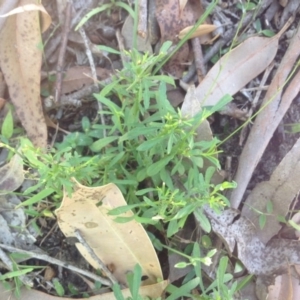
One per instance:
(20, 60)
(119, 245)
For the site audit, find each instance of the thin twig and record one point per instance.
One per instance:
(142, 23)
(57, 262)
(81, 239)
(199, 62)
(93, 70)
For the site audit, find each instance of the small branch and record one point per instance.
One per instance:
(57, 262)
(95, 257)
(142, 24)
(93, 70)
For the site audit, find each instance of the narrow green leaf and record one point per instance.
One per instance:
(158, 166)
(98, 145)
(36, 198)
(165, 47)
(183, 291)
(150, 144)
(202, 219)
(268, 33)
(262, 221)
(13, 274)
(108, 49)
(117, 292)
(93, 12)
(172, 228)
(294, 225)
(134, 281)
(58, 287)
(181, 265)
(7, 128)
(138, 131)
(127, 8)
(122, 209)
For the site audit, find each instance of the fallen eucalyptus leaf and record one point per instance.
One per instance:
(280, 190)
(121, 245)
(236, 68)
(275, 106)
(20, 60)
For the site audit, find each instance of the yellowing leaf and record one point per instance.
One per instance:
(120, 246)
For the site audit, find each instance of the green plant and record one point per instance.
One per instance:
(106, 7)
(134, 281)
(223, 287)
(147, 148)
(17, 274)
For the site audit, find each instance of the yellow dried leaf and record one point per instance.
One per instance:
(120, 246)
(32, 7)
(20, 60)
(200, 31)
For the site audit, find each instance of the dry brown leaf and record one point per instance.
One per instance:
(268, 119)
(153, 291)
(280, 190)
(171, 21)
(200, 31)
(285, 287)
(11, 175)
(80, 76)
(20, 59)
(119, 245)
(236, 68)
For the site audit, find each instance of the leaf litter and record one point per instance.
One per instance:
(261, 253)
